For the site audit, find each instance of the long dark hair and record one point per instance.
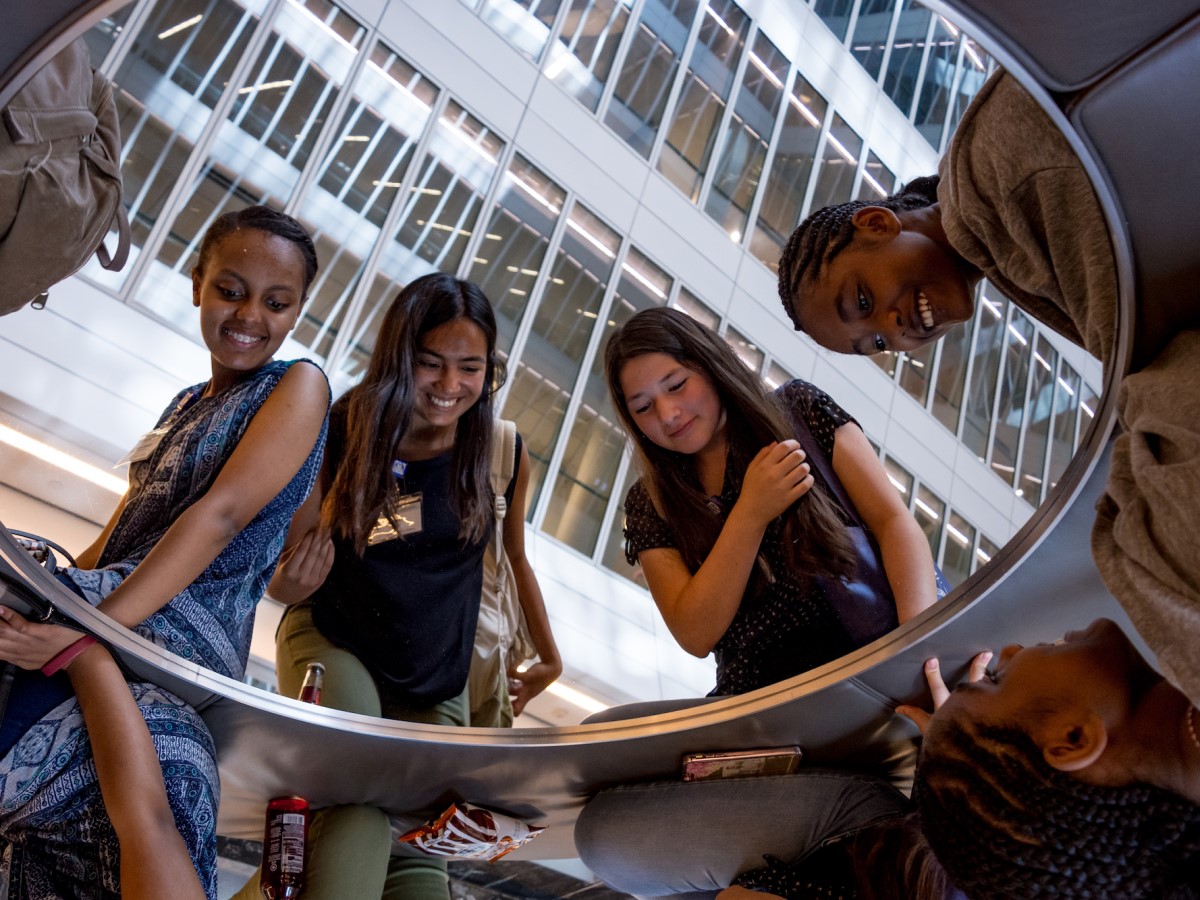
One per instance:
(821, 237)
(892, 860)
(1006, 824)
(262, 218)
(378, 412)
(814, 533)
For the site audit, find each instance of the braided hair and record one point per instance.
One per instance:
(826, 233)
(1006, 824)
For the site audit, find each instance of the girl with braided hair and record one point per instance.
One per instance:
(1073, 770)
(1013, 204)
(726, 522)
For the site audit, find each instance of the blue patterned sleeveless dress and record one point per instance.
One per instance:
(50, 803)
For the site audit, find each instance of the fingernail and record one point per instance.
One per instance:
(987, 657)
(931, 664)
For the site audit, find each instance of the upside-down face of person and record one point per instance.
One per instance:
(249, 296)
(1062, 691)
(676, 407)
(451, 365)
(895, 287)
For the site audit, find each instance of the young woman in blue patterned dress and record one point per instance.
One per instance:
(183, 561)
(725, 520)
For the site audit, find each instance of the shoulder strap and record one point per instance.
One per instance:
(819, 461)
(504, 451)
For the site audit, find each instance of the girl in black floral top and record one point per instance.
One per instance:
(729, 528)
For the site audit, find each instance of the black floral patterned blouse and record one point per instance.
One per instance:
(782, 628)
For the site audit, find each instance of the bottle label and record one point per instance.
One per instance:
(291, 850)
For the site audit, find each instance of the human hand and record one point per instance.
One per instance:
(776, 478)
(303, 568)
(524, 686)
(30, 645)
(937, 688)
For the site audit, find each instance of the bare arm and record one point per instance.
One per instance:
(740, 893)
(906, 558)
(699, 608)
(274, 446)
(539, 676)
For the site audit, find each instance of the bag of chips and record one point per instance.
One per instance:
(471, 832)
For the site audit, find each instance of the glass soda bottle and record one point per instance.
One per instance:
(284, 843)
(285, 839)
(310, 691)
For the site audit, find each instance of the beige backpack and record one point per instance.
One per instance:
(60, 179)
(501, 635)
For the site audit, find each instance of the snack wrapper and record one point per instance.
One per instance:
(471, 832)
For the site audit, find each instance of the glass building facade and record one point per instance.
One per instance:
(307, 106)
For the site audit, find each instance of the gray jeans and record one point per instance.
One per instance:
(691, 839)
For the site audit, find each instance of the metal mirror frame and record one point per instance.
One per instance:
(840, 712)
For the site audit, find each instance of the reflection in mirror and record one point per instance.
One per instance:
(399, 166)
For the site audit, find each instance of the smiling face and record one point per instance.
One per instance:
(249, 295)
(451, 366)
(892, 288)
(675, 407)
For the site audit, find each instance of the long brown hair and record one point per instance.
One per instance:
(814, 533)
(378, 412)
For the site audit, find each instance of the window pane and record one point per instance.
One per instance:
(689, 303)
(878, 181)
(838, 162)
(777, 376)
(435, 223)
(357, 184)
(582, 57)
(747, 351)
(706, 87)
(982, 392)
(740, 165)
(987, 549)
(937, 83)
(265, 141)
(783, 200)
(835, 14)
(1037, 434)
(870, 34)
(976, 64)
(1087, 412)
(614, 548)
(583, 484)
(901, 479)
(544, 377)
(517, 238)
(165, 89)
(1010, 409)
(101, 36)
(930, 513)
(649, 70)
(914, 373)
(956, 557)
(952, 373)
(900, 82)
(525, 24)
(1066, 402)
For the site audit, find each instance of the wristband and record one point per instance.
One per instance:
(64, 659)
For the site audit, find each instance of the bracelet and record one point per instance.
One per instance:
(65, 658)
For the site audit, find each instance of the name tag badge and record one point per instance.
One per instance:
(144, 448)
(408, 518)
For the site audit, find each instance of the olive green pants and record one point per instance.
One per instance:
(349, 854)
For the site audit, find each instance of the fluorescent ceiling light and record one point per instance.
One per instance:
(64, 461)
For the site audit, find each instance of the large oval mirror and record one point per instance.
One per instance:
(580, 161)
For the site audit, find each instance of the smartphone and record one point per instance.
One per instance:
(741, 763)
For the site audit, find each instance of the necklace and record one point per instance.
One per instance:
(1191, 727)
